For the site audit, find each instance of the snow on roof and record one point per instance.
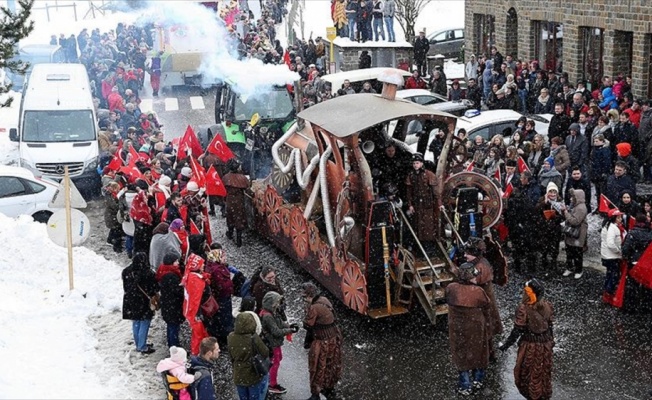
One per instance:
(347, 43)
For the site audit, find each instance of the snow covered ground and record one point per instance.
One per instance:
(46, 328)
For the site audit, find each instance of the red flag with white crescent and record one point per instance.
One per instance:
(220, 148)
(214, 184)
(522, 166)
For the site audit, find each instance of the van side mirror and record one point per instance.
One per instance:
(13, 134)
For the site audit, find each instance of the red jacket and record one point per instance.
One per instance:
(165, 269)
(415, 83)
(116, 102)
(634, 116)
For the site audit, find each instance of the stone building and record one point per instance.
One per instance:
(585, 38)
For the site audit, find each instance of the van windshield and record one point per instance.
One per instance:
(58, 126)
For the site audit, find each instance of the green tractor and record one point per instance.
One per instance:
(251, 124)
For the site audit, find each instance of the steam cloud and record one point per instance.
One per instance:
(204, 32)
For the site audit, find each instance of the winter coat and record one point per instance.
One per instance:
(221, 283)
(421, 48)
(468, 307)
(645, 127)
(172, 299)
(484, 279)
(609, 100)
(617, 185)
(420, 194)
(636, 241)
(135, 303)
(578, 150)
(202, 389)
(552, 175)
(633, 167)
(562, 159)
(623, 133)
(535, 160)
(600, 163)
(236, 185)
(582, 184)
(111, 209)
(610, 242)
(126, 199)
(576, 217)
(274, 328)
(162, 244)
(544, 105)
(259, 289)
(548, 230)
(241, 349)
(176, 368)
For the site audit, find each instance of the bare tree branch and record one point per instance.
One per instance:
(407, 12)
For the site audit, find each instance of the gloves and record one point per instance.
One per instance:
(294, 327)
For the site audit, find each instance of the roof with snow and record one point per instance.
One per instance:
(348, 43)
(345, 115)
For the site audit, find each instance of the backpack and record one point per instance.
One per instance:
(175, 389)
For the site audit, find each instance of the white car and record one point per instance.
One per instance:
(21, 193)
(482, 123)
(435, 101)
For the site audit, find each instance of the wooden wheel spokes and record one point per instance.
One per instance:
(299, 232)
(339, 260)
(354, 288)
(285, 220)
(325, 265)
(273, 208)
(492, 205)
(313, 237)
(259, 201)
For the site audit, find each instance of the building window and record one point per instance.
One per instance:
(592, 40)
(549, 44)
(647, 51)
(485, 32)
(623, 46)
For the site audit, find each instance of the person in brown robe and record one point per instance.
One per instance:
(473, 253)
(236, 184)
(325, 354)
(533, 330)
(468, 307)
(421, 199)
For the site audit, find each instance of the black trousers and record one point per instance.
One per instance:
(574, 258)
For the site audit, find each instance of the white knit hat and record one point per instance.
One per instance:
(552, 186)
(165, 180)
(186, 171)
(178, 354)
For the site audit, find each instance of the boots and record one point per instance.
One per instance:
(238, 237)
(330, 394)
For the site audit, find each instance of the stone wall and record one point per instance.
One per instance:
(621, 20)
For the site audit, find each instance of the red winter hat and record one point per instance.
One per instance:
(624, 149)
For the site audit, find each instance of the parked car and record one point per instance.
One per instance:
(436, 101)
(485, 123)
(447, 42)
(21, 193)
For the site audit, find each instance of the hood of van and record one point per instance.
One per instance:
(58, 153)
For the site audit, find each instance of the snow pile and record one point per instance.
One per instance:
(45, 326)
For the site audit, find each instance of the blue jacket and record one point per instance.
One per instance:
(203, 388)
(609, 99)
(600, 163)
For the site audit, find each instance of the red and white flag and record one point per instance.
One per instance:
(470, 167)
(605, 204)
(508, 191)
(198, 173)
(116, 162)
(194, 230)
(219, 147)
(522, 165)
(214, 185)
(189, 144)
(497, 175)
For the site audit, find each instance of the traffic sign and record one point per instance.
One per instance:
(59, 198)
(331, 33)
(79, 223)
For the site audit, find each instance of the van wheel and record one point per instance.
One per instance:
(42, 216)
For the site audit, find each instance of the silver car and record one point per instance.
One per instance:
(447, 42)
(436, 101)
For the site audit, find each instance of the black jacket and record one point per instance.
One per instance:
(578, 150)
(582, 184)
(421, 48)
(558, 126)
(617, 185)
(135, 303)
(636, 242)
(172, 299)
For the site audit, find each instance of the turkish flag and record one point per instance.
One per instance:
(214, 185)
(132, 171)
(508, 191)
(497, 174)
(220, 148)
(190, 141)
(116, 162)
(193, 228)
(286, 58)
(522, 166)
(198, 173)
(605, 204)
(207, 226)
(642, 271)
(470, 167)
(133, 156)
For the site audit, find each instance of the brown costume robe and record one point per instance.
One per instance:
(533, 370)
(420, 194)
(236, 184)
(485, 280)
(468, 306)
(325, 355)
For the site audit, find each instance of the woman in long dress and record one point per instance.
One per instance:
(533, 330)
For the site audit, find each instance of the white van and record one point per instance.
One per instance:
(57, 125)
